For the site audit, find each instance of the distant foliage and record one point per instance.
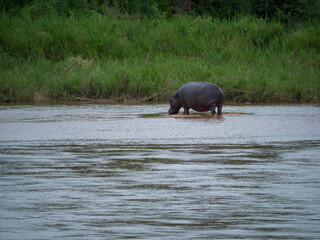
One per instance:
(287, 11)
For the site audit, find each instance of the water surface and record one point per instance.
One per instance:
(125, 171)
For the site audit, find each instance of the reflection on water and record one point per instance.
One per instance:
(118, 172)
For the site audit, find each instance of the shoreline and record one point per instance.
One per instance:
(134, 101)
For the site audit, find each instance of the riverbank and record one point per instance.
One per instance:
(96, 57)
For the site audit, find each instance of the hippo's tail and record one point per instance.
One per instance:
(221, 96)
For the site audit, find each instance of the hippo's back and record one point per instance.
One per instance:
(200, 90)
(199, 87)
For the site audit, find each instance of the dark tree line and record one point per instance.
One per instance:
(287, 11)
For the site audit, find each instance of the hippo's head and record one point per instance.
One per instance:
(174, 106)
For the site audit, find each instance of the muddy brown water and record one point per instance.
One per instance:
(128, 171)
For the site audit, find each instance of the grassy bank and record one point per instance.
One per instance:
(120, 56)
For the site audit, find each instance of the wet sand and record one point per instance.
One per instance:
(203, 115)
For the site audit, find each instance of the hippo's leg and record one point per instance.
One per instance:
(186, 111)
(213, 109)
(220, 109)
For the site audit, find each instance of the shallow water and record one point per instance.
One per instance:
(125, 171)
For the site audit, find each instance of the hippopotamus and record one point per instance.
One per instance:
(199, 96)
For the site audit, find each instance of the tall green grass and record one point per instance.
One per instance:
(122, 56)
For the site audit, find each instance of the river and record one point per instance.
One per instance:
(129, 171)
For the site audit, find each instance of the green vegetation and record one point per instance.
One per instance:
(103, 53)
